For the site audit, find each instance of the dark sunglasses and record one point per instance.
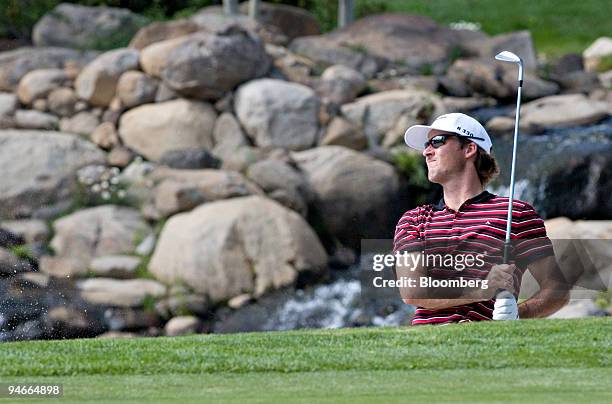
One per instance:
(439, 140)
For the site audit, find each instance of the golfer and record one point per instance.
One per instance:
(468, 224)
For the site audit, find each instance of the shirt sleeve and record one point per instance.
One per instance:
(529, 240)
(407, 236)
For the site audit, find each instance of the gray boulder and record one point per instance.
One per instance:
(597, 53)
(97, 82)
(182, 325)
(278, 113)
(84, 123)
(519, 42)
(291, 21)
(39, 169)
(30, 230)
(162, 31)
(62, 101)
(355, 196)
(8, 104)
(154, 129)
(135, 88)
(341, 132)
(115, 266)
(181, 190)
(81, 27)
(31, 119)
(380, 113)
(119, 293)
(340, 84)
(16, 63)
(206, 65)
(252, 245)
(562, 111)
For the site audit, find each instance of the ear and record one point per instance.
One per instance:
(470, 150)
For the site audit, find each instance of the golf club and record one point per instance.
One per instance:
(504, 299)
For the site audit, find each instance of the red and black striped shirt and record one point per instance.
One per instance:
(478, 227)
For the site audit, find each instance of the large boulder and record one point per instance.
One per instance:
(340, 84)
(39, 83)
(162, 31)
(154, 129)
(355, 196)
(118, 292)
(562, 111)
(519, 42)
(97, 82)
(278, 113)
(94, 232)
(135, 88)
(181, 190)
(81, 27)
(243, 245)
(380, 113)
(291, 21)
(206, 65)
(597, 56)
(415, 41)
(39, 169)
(497, 79)
(16, 63)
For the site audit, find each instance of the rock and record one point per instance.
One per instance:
(99, 231)
(182, 325)
(17, 63)
(105, 136)
(380, 112)
(119, 293)
(341, 84)
(40, 104)
(566, 64)
(253, 245)
(189, 159)
(38, 169)
(239, 301)
(81, 27)
(500, 124)
(231, 57)
(342, 132)
(39, 83)
(126, 318)
(415, 41)
(597, 56)
(454, 86)
(606, 79)
(10, 264)
(161, 31)
(278, 113)
(84, 123)
(31, 119)
(181, 190)
(579, 82)
(62, 267)
(146, 246)
(115, 266)
(119, 157)
(466, 104)
(135, 88)
(62, 101)
(281, 182)
(10, 239)
(228, 136)
(155, 129)
(8, 104)
(519, 42)
(71, 322)
(241, 158)
(339, 178)
(30, 230)
(289, 65)
(562, 111)
(291, 21)
(181, 305)
(165, 93)
(97, 82)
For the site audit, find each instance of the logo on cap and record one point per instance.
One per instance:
(467, 132)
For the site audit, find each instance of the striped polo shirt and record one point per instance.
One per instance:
(478, 227)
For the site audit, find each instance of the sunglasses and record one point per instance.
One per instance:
(439, 140)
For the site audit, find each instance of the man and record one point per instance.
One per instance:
(470, 222)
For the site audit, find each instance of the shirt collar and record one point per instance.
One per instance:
(481, 197)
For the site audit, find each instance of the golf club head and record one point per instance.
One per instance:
(507, 56)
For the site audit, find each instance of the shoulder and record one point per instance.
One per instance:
(517, 205)
(415, 215)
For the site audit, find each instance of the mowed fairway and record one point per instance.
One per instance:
(528, 361)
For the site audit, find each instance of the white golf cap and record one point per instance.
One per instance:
(461, 124)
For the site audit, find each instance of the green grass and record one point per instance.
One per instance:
(536, 360)
(557, 26)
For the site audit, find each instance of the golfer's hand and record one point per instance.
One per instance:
(501, 277)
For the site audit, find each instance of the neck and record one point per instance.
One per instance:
(459, 190)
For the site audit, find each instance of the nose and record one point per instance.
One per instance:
(428, 151)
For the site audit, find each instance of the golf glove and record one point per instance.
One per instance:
(505, 307)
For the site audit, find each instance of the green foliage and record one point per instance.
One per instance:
(148, 303)
(604, 299)
(604, 64)
(142, 270)
(23, 252)
(412, 166)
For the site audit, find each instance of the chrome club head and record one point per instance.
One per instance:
(507, 56)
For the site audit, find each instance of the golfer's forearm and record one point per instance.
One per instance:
(435, 304)
(543, 304)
